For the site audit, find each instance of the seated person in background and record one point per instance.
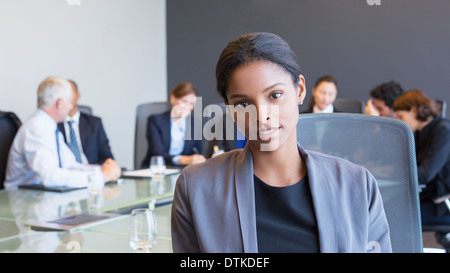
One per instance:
(383, 97)
(39, 155)
(166, 131)
(432, 136)
(323, 96)
(84, 134)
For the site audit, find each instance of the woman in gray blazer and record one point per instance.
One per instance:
(272, 195)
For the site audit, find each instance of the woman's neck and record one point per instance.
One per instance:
(279, 168)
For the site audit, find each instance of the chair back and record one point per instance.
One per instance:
(385, 146)
(349, 105)
(9, 125)
(442, 105)
(143, 111)
(85, 109)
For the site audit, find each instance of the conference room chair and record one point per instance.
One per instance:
(441, 232)
(143, 111)
(385, 146)
(442, 105)
(9, 125)
(349, 105)
(85, 109)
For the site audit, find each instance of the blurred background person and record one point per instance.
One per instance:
(166, 132)
(323, 96)
(432, 137)
(383, 97)
(85, 134)
(39, 155)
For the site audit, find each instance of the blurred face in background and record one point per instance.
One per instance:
(75, 98)
(182, 107)
(409, 117)
(324, 94)
(383, 109)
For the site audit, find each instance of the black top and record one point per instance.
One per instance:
(285, 218)
(433, 157)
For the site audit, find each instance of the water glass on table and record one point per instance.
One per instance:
(157, 166)
(143, 230)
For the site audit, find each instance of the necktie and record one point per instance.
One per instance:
(73, 144)
(57, 146)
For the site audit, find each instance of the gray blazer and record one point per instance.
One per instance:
(214, 205)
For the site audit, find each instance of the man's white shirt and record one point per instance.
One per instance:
(33, 157)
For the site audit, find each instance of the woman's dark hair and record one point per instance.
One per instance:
(183, 89)
(254, 47)
(326, 78)
(387, 92)
(416, 98)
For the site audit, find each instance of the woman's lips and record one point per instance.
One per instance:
(267, 134)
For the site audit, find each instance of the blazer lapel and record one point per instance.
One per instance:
(323, 203)
(243, 179)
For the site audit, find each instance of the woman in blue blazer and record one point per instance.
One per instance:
(166, 132)
(272, 195)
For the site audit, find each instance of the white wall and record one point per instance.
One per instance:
(114, 49)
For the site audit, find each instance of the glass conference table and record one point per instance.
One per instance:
(25, 215)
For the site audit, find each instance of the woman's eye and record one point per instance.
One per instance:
(241, 104)
(276, 95)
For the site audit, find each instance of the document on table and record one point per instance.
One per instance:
(147, 173)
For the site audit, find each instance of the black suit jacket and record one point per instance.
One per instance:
(433, 159)
(94, 141)
(159, 136)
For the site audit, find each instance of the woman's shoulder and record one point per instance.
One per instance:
(335, 164)
(211, 165)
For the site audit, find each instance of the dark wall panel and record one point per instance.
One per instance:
(361, 45)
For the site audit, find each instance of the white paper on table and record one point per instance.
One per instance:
(147, 172)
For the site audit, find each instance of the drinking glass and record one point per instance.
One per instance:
(157, 165)
(143, 230)
(95, 181)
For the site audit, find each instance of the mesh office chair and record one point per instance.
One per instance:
(385, 146)
(9, 125)
(349, 105)
(143, 111)
(85, 109)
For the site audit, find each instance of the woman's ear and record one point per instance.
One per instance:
(301, 87)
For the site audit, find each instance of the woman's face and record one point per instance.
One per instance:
(267, 93)
(324, 94)
(409, 117)
(182, 107)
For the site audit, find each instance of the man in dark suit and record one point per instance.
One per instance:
(85, 135)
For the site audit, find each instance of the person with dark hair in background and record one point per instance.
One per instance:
(273, 195)
(84, 134)
(323, 96)
(432, 135)
(383, 97)
(166, 131)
